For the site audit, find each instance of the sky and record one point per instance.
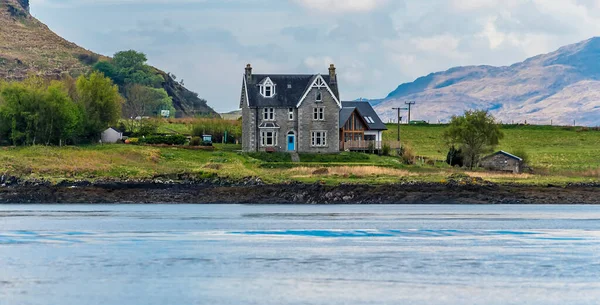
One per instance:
(376, 45)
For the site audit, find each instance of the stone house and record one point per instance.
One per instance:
(503, 162)
(290, 113)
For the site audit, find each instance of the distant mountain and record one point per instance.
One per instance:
(232, 115)
(27, 46)
(559, 87)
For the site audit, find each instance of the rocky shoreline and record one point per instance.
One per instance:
(254, 191)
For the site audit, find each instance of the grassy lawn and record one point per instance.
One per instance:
(558, 155)
(558, 150)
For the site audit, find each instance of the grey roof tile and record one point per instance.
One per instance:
(289, 89)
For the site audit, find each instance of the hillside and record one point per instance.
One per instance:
(27, 46)
(558, 87)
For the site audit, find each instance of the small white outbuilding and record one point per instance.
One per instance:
(111, 135)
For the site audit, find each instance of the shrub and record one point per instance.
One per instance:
(386, 149)
(195, 141)
(88, 58)
(455, 157)
(407, 154)
(147, 127)
(521, 153)
(132, 141)
(168, 140)
(321, 171)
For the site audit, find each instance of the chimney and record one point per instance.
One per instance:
(249, 73)
(332, 75)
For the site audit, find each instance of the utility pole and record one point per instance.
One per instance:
(399, 120)
(409, 106)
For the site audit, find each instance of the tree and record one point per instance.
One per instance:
(101, 103)
(109, 70)
(129, 60)
(475, 132)
(61, 118)
(20, 110)
(144, 101)
(131, 67)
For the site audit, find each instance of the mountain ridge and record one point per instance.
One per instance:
(559, 87)
(30, 47)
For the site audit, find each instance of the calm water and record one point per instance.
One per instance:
(209, 254)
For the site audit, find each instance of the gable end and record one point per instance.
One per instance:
(319, 83)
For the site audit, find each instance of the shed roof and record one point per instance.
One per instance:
(505, 154)
(113, 128)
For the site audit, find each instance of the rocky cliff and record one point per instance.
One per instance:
(560, 87)
(27, 46)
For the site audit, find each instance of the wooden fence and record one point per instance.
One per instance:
(363, 145)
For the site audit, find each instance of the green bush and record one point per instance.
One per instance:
(521, 153)
(195, 141)
(386, 149)
(168, 140)
(275, 157)
(340, 158)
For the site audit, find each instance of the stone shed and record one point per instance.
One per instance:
(503, 162)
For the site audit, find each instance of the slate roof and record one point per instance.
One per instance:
(366, 110)
(345, 114)
(285, 96)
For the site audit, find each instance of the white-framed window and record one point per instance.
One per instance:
(269, 114)
(319, 113)
(291, 114)
(319, 138)
(319, 97)
(267, 88)
(268, 138)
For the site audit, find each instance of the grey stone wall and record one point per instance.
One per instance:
(500, 162)
(248, 129)
(251, 134)
(307, 125)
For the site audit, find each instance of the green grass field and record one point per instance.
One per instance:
(561, 150)
(558, 155)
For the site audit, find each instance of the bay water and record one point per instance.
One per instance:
(299, 254)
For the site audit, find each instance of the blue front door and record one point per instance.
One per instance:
(291, 143)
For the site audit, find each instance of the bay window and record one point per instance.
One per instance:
(268, 138)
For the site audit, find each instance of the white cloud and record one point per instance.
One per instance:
(340, 6)
(375, 44)
(318, 64)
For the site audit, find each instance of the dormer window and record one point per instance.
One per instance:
(267, 88)
(319, 97)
